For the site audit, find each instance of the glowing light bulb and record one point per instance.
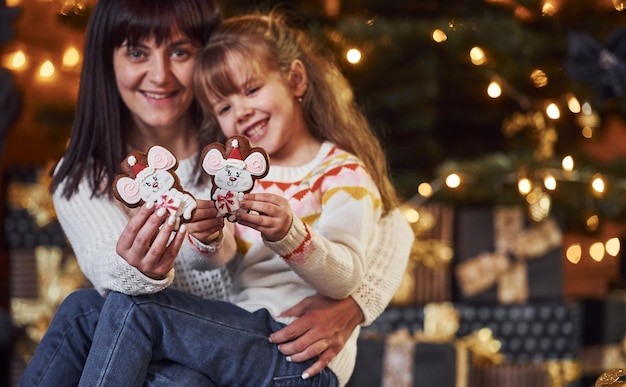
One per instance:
(439, 36)
(353, 56)
(574, 253)
(553, 111)
(71, 57)
(596, 250)
(46, 70)
(613, 247)
(412, 215)
(524, 186)
(477, 56)
(539, 78)
(597, 184)
(592, 223)
(619, 5)
(548, 8)
(425, 189)
(573, 104)
(549, 182)
(494, 90)
(568, 163)
(453, 180)
(18, 60)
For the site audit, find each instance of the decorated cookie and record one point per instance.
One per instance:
(233, 167)
(151, 178)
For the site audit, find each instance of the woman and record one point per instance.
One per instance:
(135, 92)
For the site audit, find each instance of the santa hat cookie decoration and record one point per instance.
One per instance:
(233, 168)
(151, 178)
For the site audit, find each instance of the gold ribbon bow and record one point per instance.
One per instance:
(511, 239)
(34, 197)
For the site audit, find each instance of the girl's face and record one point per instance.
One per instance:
(155, 81)
(264, 110)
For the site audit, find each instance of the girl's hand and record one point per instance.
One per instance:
(269, 214)
(322, 328)
(205, 224)
(144, 242)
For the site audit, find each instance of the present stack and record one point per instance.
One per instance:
(43, 269)
(505, 286)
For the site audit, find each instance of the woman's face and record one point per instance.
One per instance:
(155, 81)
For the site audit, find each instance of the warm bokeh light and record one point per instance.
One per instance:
(573, 104)
(439, 36)
(71, 57)
(549, 182)
(425, 189)
(18, 60)
(568, 163)
(524, 186)
(613, 247)
(549, 8)
(539, 78)
(592, 222)
(46, 70)
(412, 215)
(597, 184)
(453, 180)
(353, 56)
(587, 132)
(477, 56)
(13, 3)
(574, 253)
(619, 5)
(494, 90)
(596, 251)
(553, 111)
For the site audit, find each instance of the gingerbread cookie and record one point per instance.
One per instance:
(151, 178)
(233, 168)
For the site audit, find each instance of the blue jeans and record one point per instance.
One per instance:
(60, 357)
(223, 344)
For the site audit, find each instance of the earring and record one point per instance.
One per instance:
(299, 99)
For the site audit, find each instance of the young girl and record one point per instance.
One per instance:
(314, 217)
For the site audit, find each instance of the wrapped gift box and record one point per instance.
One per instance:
(391, 361)
(502, 256)
(603, 335)
(535, 331)
(428, 276)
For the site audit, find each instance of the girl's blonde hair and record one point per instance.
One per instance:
(330, 112)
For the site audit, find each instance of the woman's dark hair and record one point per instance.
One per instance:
(97, 142)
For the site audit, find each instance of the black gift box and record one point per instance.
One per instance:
(434, 364)
(603, 334)
(536, 331)
(475, 234)
(27, 197)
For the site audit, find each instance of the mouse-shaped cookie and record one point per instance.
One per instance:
(151, 178)
(233, 168)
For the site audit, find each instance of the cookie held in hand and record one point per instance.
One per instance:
(151, 179)
(233, 168)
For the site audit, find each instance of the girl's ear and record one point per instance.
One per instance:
(298, 78)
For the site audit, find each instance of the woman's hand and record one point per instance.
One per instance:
(205, 224)
(322, 328)
(267, 213)
(144, 242)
